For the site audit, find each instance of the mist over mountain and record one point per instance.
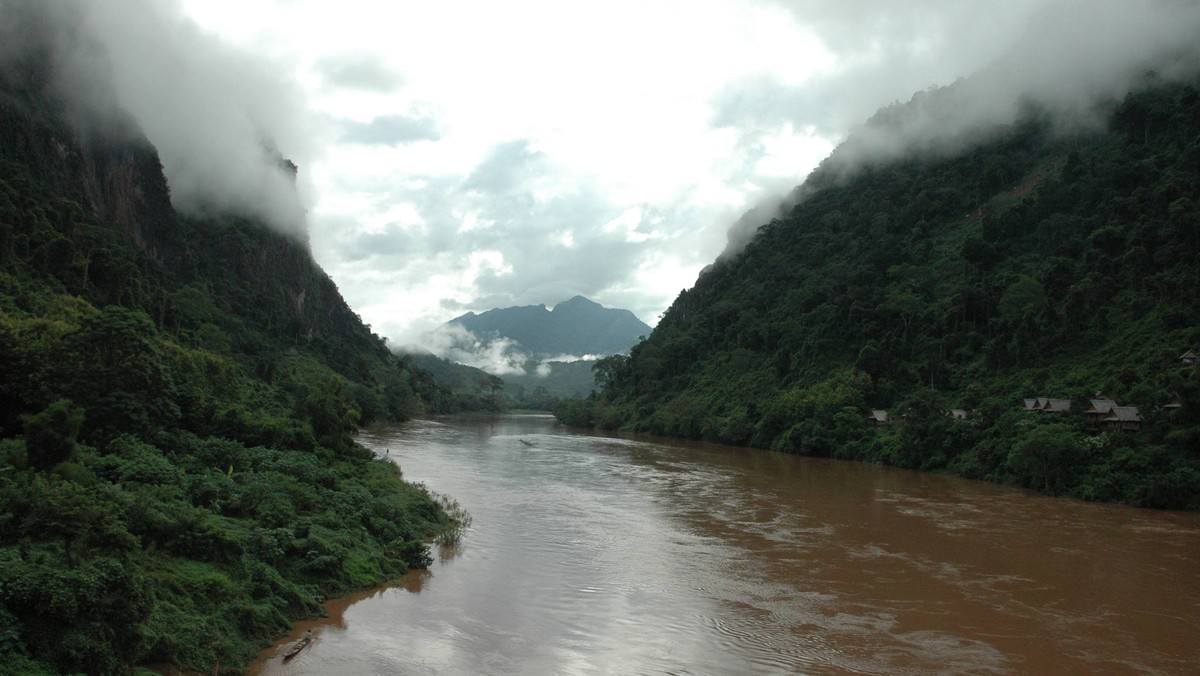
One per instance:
(179, 390)
(538, 353)
(574, 327)
(180, 382)
(503, 340)
(1070, 61)
(942, 286)
(220, 121)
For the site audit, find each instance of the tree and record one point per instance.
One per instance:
(609, 370)
(50, 435)
(333, 412)
(1023, 298)
(114, 370)
(1046, 457)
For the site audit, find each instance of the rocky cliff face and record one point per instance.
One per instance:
(105, 171)
(136, 336)
(108, 167)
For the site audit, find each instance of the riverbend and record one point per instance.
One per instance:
(606, 555)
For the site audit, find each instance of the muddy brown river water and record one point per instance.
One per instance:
(599, 555)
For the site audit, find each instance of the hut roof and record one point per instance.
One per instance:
(1101, 405)
(1056, 405)
(1124, 414)
(879, 415)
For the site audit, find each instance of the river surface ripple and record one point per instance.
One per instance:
(606, 555)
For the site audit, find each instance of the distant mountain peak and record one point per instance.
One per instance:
(577, 326)
(580, 305)
(578, 301)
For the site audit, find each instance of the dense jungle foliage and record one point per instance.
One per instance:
(1039, 264)
(478, 390)
(178, 480)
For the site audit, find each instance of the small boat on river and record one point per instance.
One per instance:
(298, 646)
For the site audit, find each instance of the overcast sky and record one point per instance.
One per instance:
(461, 156)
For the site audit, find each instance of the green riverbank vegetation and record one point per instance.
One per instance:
(945, 289)
(178, 395)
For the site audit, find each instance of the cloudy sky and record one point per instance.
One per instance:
(466, 155)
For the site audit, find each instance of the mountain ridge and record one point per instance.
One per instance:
(577, 326)
(1039, 262)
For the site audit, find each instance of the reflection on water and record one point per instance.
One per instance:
(593, 554)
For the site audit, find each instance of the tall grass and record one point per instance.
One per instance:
(460, 520)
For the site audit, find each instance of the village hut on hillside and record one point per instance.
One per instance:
(1047, 405)
(1123, 419)
(1057, 406)
(1097, 409)
(879, 417)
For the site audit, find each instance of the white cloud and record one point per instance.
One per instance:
(222, 118)
(523, 132)
(469, 155)
(497, 356)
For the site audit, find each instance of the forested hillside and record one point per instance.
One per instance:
(178, 479)
(1046, 262)
(477, 390)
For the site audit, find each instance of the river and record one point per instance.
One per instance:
(604, 555)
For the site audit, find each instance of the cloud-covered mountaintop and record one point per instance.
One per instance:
(465, 156)
(221, 120)
(1066, 60)
(574, 327)
(513, 340)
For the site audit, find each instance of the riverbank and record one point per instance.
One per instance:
(1053, 455)
(747, 561)
(452, 523)
(270, 660)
